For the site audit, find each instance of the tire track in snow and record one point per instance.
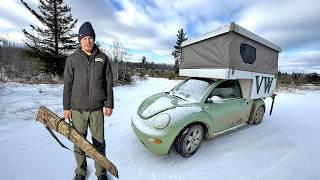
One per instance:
(303, 158)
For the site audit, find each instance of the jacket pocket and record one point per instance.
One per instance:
(80, 74)
(99, 93)
(98, 70)
(80, 94)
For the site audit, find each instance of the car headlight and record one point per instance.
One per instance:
(161, 121)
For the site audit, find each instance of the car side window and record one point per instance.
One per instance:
(227, 90)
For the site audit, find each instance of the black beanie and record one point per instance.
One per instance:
(86, 30)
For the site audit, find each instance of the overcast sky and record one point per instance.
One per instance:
(149, 28)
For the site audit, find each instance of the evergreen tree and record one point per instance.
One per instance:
(143, 66)
(181, 36)
(54, 39)
(144, 60)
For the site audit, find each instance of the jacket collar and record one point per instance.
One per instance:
(95, 51)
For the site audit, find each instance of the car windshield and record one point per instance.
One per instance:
(192, 89)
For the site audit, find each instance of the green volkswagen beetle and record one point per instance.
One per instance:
(194, 110)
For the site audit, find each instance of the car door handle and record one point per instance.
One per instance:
(242, 103)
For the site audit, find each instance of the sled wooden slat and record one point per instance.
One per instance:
(50, 119)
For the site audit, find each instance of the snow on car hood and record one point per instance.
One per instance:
(156, 104)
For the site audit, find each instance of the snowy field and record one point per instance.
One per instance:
(285, 145)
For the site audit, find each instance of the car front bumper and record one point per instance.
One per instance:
(157, 141)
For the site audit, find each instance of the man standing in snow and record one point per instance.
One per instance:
(88, 95)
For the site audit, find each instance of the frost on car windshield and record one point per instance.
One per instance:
(192, 89)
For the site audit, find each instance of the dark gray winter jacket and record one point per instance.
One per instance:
(88, 82)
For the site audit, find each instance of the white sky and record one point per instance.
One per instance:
(149, 27)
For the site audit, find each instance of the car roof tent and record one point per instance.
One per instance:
(231, 47)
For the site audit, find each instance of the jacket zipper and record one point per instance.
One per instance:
(89, 82)
(91, 70)
(89, 85)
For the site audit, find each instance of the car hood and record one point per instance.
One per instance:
(158, 103)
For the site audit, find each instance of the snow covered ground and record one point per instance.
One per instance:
(285, 145)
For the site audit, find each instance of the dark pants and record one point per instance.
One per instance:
(95, 120)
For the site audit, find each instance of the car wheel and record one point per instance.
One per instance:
(258, 115)
(189, 141)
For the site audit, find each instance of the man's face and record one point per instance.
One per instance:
(87, 44)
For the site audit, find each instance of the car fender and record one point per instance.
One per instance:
(256, 103)
(182, 117)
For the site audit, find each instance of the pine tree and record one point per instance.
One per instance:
(143, 62)
(181, 36)
(54, 39)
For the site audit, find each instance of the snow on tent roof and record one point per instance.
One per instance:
(232, 47)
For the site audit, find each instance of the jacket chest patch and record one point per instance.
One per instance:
(98, 60)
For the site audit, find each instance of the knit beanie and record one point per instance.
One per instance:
(86, 30)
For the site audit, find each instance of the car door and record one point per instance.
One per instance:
(230, 111)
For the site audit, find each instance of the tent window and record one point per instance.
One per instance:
(248, 53)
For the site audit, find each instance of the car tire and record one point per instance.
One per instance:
(189, 140)
(258, 115)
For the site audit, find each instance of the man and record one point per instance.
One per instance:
(88, 95)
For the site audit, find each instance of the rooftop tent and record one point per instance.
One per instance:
(229, 48)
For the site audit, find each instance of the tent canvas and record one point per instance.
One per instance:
(230, 47)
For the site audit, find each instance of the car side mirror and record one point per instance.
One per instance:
(216, 99)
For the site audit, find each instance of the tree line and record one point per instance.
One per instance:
(15, 65)
(298, 78)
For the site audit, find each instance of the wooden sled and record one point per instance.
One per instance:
(51, 120)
